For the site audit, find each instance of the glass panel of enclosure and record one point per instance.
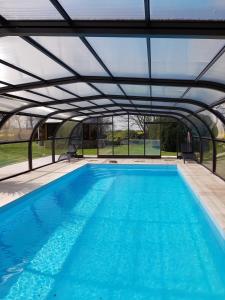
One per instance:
(105, 136)
(41, 153)
(207, 151)
(136, 135)
(120, 135)
(65, 129)
(13, 159)
(203, 130)
(18, 128)
(197, 147)
(182, 132)
(220, 159)
(152, 139)
(186, 10)
(216, 126)
(76, 138)
(61, 147)
(168, 138)
(90, 139)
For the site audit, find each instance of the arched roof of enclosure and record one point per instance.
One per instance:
(77, 59)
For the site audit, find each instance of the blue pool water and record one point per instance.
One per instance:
(107, 232)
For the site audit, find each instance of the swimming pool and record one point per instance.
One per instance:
(111, 232)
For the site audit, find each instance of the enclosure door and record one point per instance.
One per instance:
(152, 139)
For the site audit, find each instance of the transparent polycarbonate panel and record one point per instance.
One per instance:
(77, 136)
(28, 10)
(2, 85)
(217, 71)
(220, 108)
(138, 102)
(7, 104)
(12, 76)
(121, 101)
(65, 129)
(136, 90)
(168, 91)
(18, 128)
(85, 111)
(82, 104)
(80, 88)
(207, 149)
(90, 141)
(63, 106)
(163, 103)
(102, 102)
(53, 92)
(13, 159)
(50, 120)
(191, 127)
(181, 106)
(73, 52)
(61, 147)
(123, 56)
(113, 108)
(30, 96)
(169, 111)
(203, 130)
(79, 118)
(22, 54)
(65, 115)
(152, 139)
(216, 126)
(207, 96)
(94, 115)
(104, 10)
(105, 138)
(136, 135)
(120, 135)
(98, 109)
(41, 110)
(196, 148)
(220, 159)
(182, 58)
(41, 153)
(189, 106)
(108, 88)
(187, 9)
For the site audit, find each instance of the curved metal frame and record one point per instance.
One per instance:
(152, 99)
(180, 28)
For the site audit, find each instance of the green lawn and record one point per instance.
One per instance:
(15, 153)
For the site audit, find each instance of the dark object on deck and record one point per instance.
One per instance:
(188, 156)
(71, 153)
(113, 161)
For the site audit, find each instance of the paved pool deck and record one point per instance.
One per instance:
(209, 188)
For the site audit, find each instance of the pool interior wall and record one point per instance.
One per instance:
(111, 232)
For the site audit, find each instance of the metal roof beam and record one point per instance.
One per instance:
(155, 28)
(115, 80)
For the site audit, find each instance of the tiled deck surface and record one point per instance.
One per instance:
(209, 188)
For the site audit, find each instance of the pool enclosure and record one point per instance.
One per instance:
(140, 78)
